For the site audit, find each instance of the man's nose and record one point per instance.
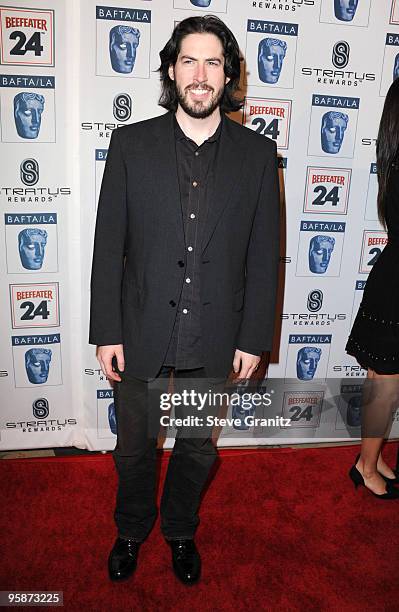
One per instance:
(200, 73)
(129, 51)
(324, 256)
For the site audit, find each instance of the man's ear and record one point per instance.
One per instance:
(171, 72)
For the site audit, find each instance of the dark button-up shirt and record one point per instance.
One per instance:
(195, 166)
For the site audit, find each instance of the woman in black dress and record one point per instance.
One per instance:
(374, 339)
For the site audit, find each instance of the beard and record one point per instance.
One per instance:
(198, 110)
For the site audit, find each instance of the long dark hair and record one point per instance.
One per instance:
(197, 25)
(387, 146)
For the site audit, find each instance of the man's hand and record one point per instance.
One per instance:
(105, 355)
(245, 364)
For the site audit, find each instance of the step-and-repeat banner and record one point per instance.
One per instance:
(315, 76)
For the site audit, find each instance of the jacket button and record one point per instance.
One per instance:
(172, 303)
(180, 263)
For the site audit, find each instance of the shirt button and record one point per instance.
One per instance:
(195, 184)
(192, 216)
(190, 248)
(188, 280)
(185, 311)
(196, 154)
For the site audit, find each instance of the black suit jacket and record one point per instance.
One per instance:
(137, 274)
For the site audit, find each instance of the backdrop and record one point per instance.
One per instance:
(315, 76)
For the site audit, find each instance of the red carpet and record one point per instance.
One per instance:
(281, 530)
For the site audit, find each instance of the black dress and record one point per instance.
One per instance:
(374, 339)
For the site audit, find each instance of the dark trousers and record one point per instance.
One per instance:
(137, 409)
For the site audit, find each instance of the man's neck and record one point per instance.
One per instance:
(198, 130)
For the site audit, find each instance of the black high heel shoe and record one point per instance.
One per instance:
(386, 478)
(357, 479)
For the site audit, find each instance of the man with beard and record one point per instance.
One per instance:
(183, 281)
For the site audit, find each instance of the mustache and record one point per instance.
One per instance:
(199, 86)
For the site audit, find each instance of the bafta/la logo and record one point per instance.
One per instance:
(29, 172)
(340, 54)
(315, 300)
(122, 107)
(41, 408)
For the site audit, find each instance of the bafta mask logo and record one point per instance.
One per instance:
(271, 54)
(31, 245)
(320, 251)
(307, 360)
(333, 127)
(345, 10)
(396, 67)
(239, 411)
(123, 43)
(112, 418)
(354, 411)
(37, 365)
(28, 109)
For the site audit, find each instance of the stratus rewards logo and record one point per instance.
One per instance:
(198, 410)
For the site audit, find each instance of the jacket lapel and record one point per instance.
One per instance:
(163, 159)
(227, 171)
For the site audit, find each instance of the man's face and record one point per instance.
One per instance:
(320, 250)
(37, 365)
(396, 67)
(123, 49)
(345, 10)
(201, 2)
(332, 133)
(306, 364)
(31, 250)
(270, 61)
(199, 74)
(28, 117)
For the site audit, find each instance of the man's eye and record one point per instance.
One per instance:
(36, 364)
(269, 57)
(332, 130)
(122, 46)
(31, 247)
(306, 361)
(28, 113)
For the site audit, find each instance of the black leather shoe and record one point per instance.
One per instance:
(357, 479)
(391, 481)
(122, 560)
(186, 560)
